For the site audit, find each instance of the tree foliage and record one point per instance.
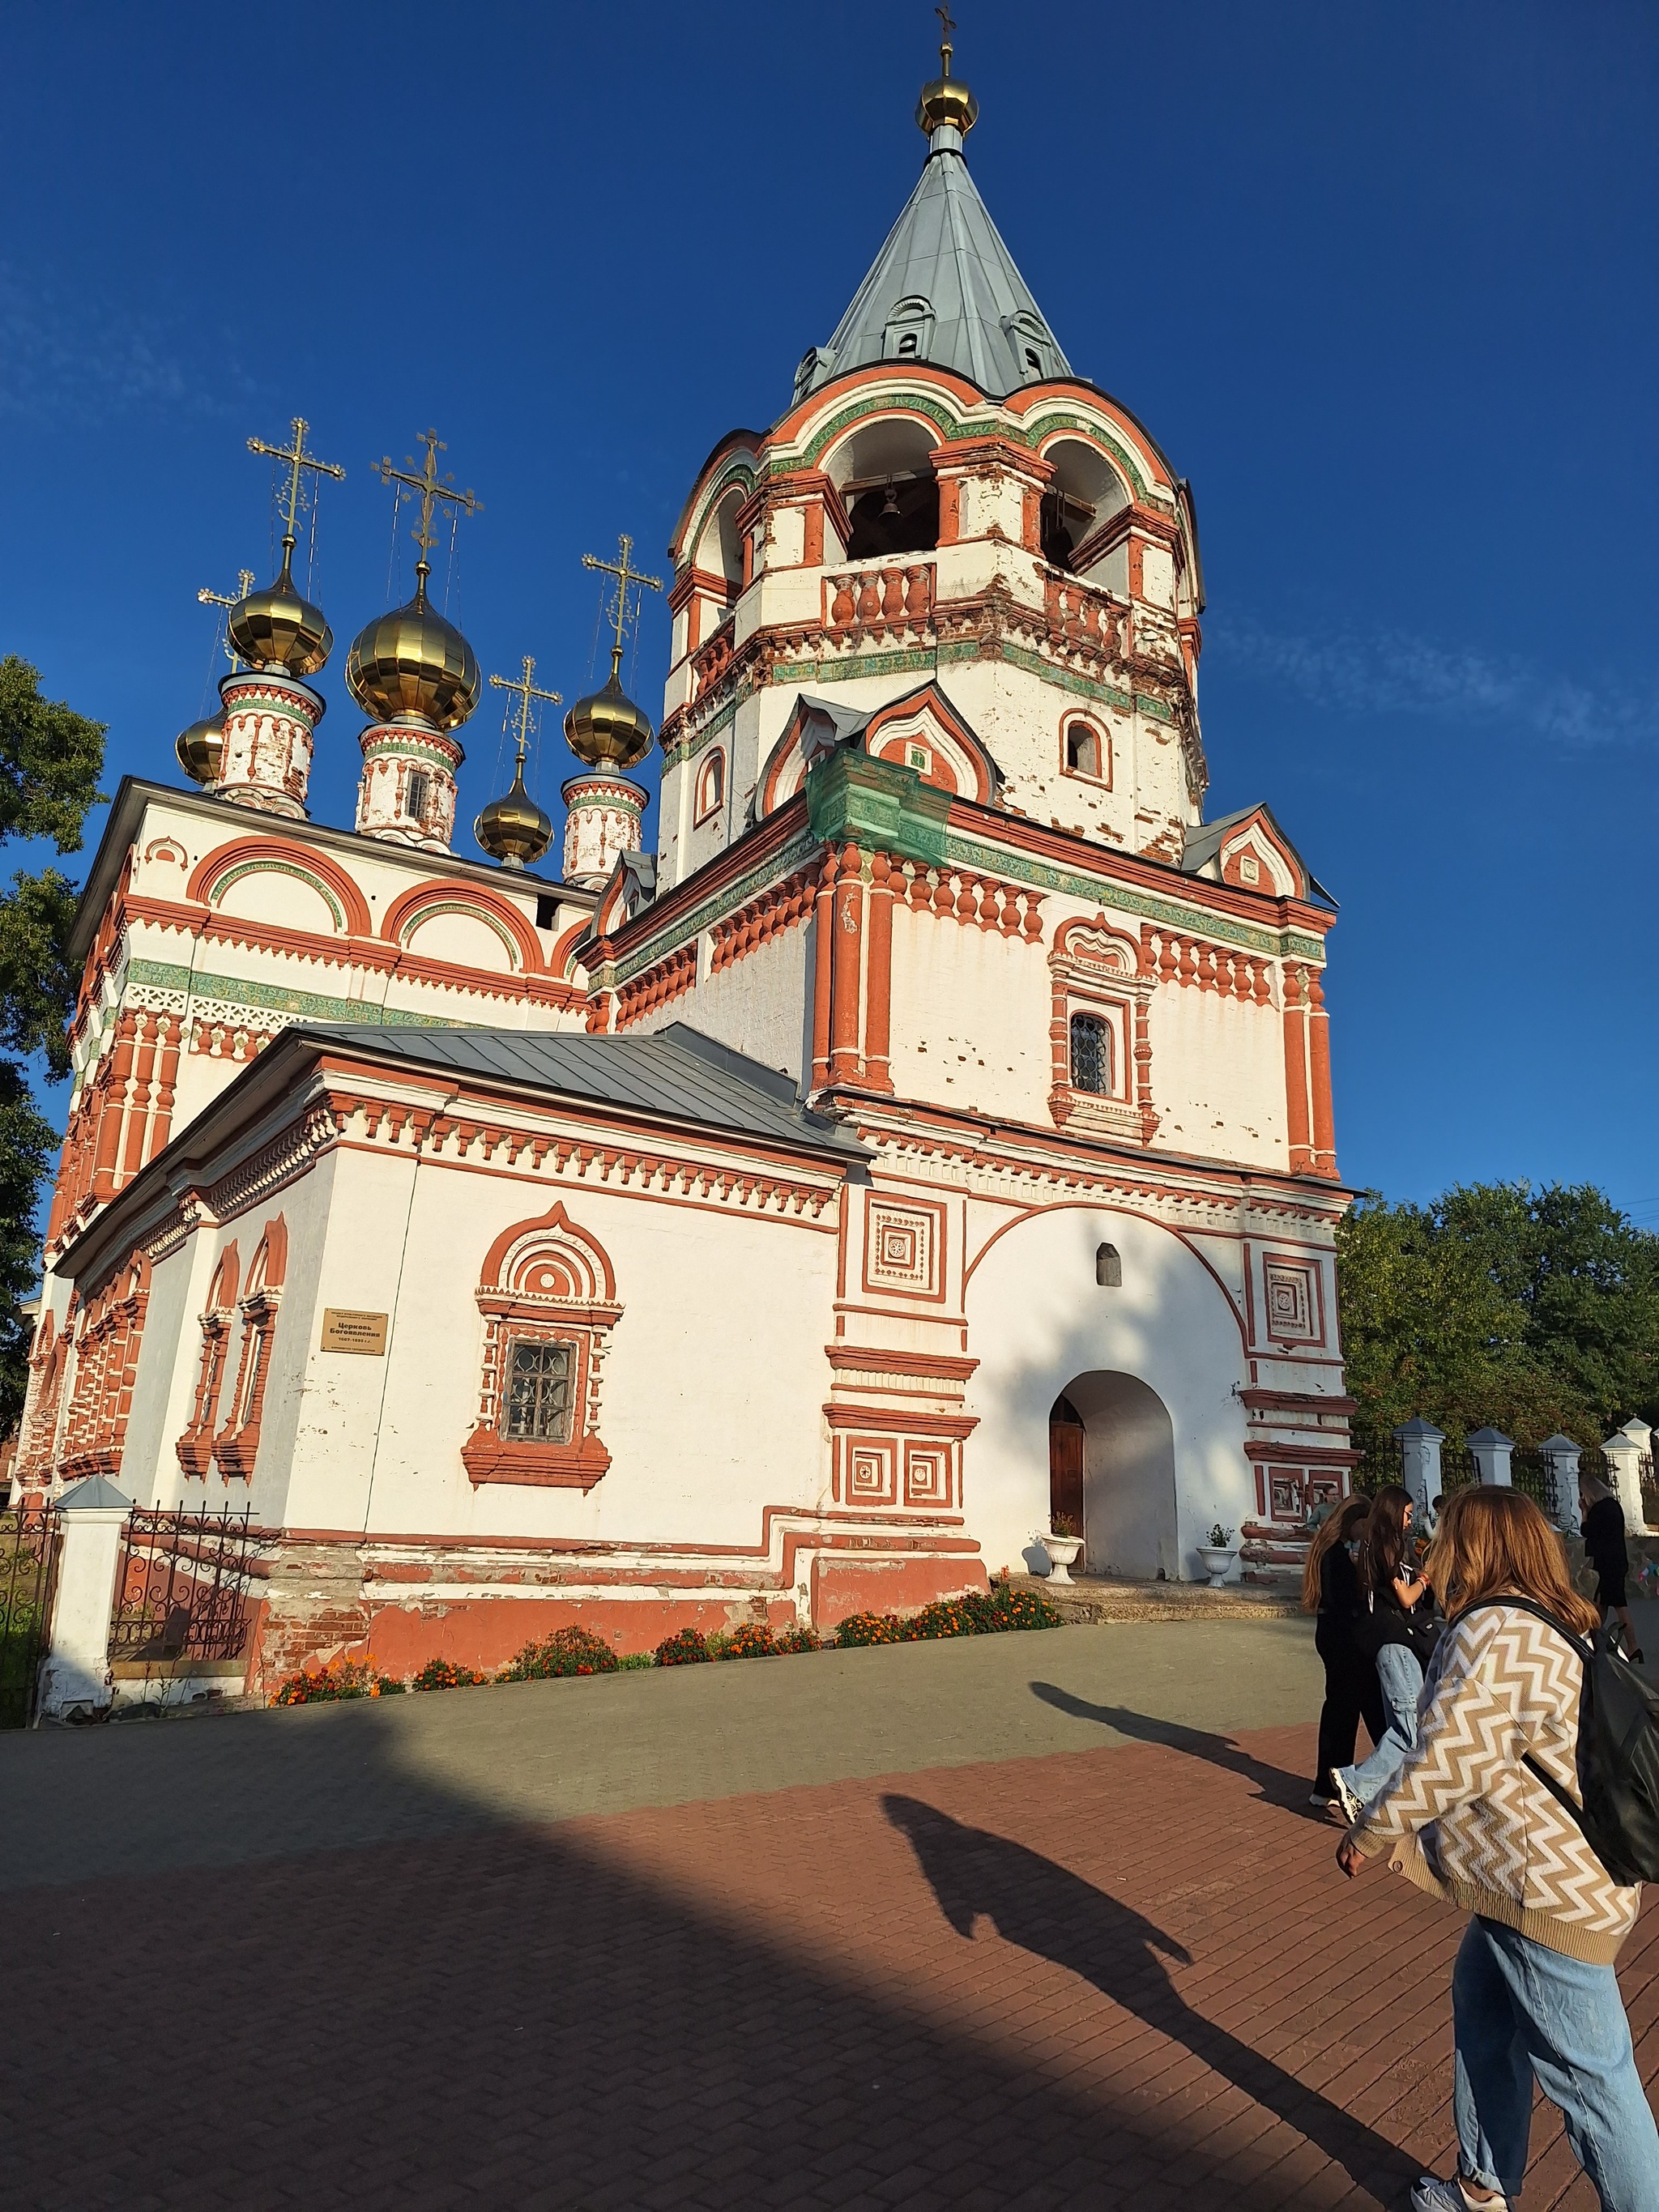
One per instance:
(1528, 1311)
(50, 759)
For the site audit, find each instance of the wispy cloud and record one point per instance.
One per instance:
(86, 359)
(1391, 671)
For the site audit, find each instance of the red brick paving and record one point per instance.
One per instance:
(1129, 1978)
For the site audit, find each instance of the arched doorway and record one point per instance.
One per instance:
(1112, 1471)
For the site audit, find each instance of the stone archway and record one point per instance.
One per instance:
(1128, 1483)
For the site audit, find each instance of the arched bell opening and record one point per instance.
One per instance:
(1112, 1474)
(1082, 494)
(719, 548)
(885, 475)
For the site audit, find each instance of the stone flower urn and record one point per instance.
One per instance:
(1218, 1560)
(1062, 1555)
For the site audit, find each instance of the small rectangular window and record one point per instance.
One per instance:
(1092, 1054)
(538, 1393)
(419, 790)
(547, 909)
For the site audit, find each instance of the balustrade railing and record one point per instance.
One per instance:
(880, 594)
(710, 662)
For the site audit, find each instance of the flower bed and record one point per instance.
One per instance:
(578, 1650)
(572, 1651)
(977, 1613)
(341, 1678)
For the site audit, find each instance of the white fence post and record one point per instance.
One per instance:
(1625, 1457)
(1419, 1442)
(1562, 1454)
(1642, 1435)
(1491, 1449)
(76, 1668)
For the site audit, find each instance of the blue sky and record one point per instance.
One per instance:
(1380, 281)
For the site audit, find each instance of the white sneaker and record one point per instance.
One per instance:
(1432, 2194)
(1352, 1808)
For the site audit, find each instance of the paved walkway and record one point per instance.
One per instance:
(1005, 1923)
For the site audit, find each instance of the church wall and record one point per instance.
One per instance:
(760, 1005)
(1218, 1076)
(971, 1013)
(1038, 1319)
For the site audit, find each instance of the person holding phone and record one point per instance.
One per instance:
(1397, 1629)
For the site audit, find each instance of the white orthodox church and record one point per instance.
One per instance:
(928, 1130)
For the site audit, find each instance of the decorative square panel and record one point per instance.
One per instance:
(1284, 1492)
(872, 1470)
(927, 1475)
(902, 1248)
(1291, 1293)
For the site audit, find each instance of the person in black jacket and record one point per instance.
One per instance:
(1330, 1587)
(1604, 1542)
(1396, 1630)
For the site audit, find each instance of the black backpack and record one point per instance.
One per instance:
(1618, 1751)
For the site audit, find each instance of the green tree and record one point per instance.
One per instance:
(1529, 1310)
(50, 759)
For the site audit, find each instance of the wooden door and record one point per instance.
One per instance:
(1066, 1474)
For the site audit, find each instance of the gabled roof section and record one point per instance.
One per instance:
(945, 289)
(1219, 850)
(953, 756)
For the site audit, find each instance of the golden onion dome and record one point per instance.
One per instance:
(946, 100)
(201, 749)
(513, 828)
(278, 628)
(607, 730)
(412, 666)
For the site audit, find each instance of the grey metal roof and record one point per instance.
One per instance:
(1204, 842)
(676, 1073)
(944, 252)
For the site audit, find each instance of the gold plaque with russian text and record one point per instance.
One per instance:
(345, 1331)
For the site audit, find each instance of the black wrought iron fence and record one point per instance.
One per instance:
(1531, 1475)
(1382, 1461)
(1458, 1469)
(186, 1587)
(28, 1558)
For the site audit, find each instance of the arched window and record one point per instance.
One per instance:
(1108, 1267)
(237, 1444)
(1092, 1054)
(711, 785)
(419, 791)
(1082, 750)
(195, 1447)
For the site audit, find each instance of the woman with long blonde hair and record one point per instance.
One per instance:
(1534, 1991)
(1330, 1587)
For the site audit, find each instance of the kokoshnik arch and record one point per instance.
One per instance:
(760, 1223)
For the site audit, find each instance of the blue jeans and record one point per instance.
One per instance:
(1401, 1677)
(1520, 2009)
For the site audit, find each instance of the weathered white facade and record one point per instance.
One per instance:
(933, 1134)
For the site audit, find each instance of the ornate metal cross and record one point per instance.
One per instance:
(298, 459)
(625, 576)
(947, 24)
(431, 488)
(210, 598)
(527, 690)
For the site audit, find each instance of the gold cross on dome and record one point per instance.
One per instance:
(209, 598)
(947, 24)
(527, 690)
(298, 459)
(625, 574)
(432, 488)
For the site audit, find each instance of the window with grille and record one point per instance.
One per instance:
(419, 786)
(1092, 1054)
(538, 1393)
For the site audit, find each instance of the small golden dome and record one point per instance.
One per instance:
(412, 666)
(277, 628)
(607, 730)
(946, 99)
(201, 749)
(513, 828)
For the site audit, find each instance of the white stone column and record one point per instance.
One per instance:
(76, 1671)
(1491, 1449)
(1562, 1455)
(1419, 1442)
(1642, 1435)
(1625, 1457)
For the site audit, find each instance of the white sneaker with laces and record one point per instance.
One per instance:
(1352, 1808)
(1432, 2194)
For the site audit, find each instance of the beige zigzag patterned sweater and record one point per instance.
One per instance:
(1466, 1820)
